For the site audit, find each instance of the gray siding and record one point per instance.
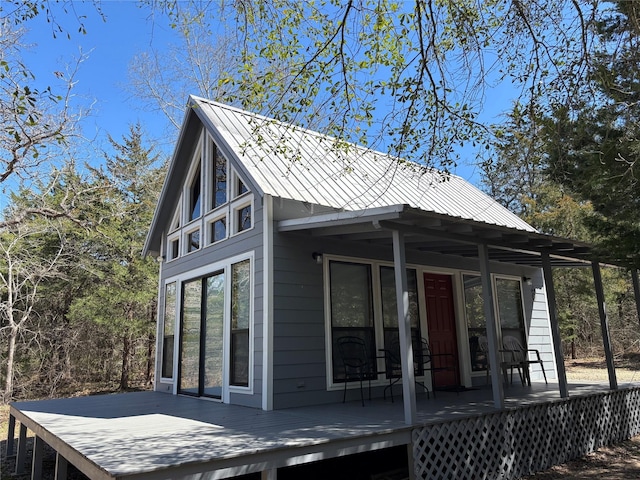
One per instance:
(248, 241)
(539, 327)
(299, 358)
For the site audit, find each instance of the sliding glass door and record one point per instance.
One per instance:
(201, 337)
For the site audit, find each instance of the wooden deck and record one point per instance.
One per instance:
(157, 435)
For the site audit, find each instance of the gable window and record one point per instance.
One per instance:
(219, 179)
(219, 229)
(244, 218)
(195, 196)
(174, 248)
(351, 309)
(193, 241)
(168, 330)
(215, 204)
(242, 188)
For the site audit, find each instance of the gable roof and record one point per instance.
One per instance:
(290, 162)
(299, 164)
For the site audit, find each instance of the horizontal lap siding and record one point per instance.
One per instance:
(539, 335)
(299, 371)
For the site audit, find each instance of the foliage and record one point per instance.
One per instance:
(593, 146)
(122, 296)
(92, 316)
(408, 77)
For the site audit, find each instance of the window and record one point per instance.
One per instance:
(242, 188)
(194, 196)
(240, 316)
(390, 306)
(219, 230)
(351, 308)
(476, 321)
(193, 241)
(215, 203)
(243, 218)
(168, 330)
(174, 248)
(219, 179)
(509, 311)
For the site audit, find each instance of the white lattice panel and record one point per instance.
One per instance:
(516, 442)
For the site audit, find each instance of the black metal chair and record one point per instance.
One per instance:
(356, 362)
(425, 360)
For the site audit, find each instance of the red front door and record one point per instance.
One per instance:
(438, 291)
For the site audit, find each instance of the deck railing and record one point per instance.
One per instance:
(516, 442)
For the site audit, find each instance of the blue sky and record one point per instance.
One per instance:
(110, 46)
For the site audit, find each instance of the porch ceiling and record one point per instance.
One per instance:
(430, 232)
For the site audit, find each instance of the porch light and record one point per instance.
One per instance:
(317, 257)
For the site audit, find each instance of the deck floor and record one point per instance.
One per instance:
(157, 435)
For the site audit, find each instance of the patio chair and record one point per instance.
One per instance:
(483, 345)
(356, 363)
(425, 360)
(509, 362)
(520, 355)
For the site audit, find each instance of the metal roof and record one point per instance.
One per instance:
(371, 193)
(429, 232)
(290, 162)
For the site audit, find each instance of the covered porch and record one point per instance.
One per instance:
(148, 435)
(424, 235)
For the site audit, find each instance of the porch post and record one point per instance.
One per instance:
(636, 289)
(11, 432)
(604, 325)
(404, 326)
(492, 329)
(21, 455)
(555, 326)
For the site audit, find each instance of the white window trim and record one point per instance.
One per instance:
(238, 204)
(191, 228)
(177, 235)
(211, 218)
(225, 266)
(161, 332)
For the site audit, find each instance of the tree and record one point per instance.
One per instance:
(408, 77)
(122, 297)
(34, 122)
(29, 256)
(593, 145)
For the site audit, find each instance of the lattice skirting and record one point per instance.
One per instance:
(516, 442)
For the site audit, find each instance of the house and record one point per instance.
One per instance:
(274, 241)
(275, 244)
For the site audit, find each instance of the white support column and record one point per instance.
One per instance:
(61, 467)
(604, 325)
(38, 452)
(555, 326)
(492, 327)
(636, 289)
(404, 326)
(22, 450)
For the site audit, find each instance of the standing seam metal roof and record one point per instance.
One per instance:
(291, 162)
